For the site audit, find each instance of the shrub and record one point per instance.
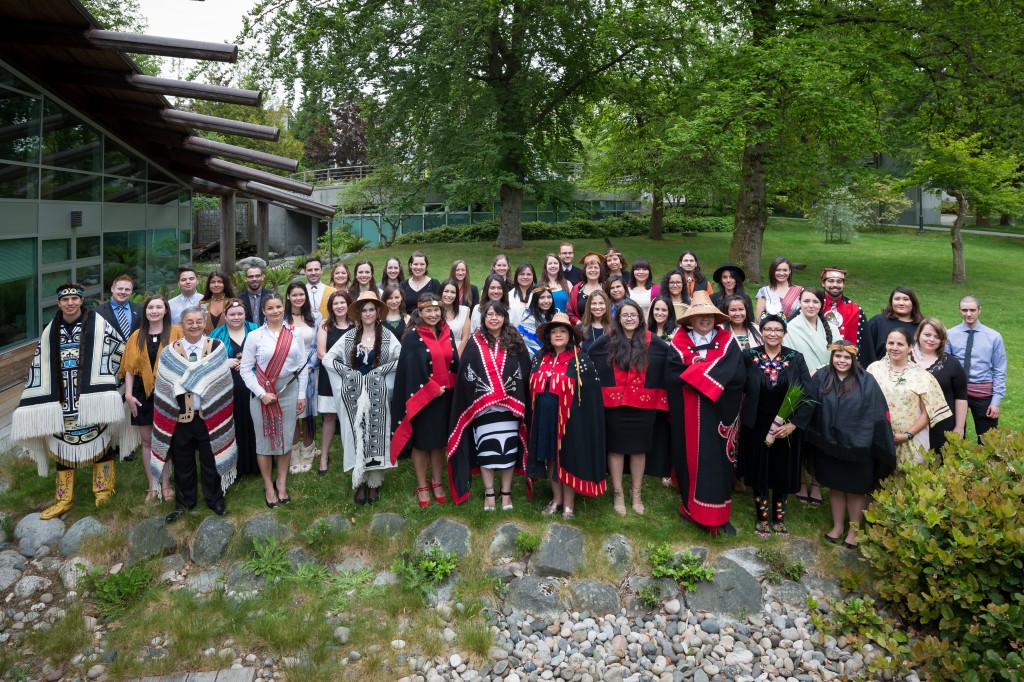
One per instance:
(946, 545)
(779, 567)
(420, 571)
(117, 591)
(685, 568)
(337, 242)
(527, 543)
(269, 560)
(649, 596)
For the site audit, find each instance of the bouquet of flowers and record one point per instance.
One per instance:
(794, 398)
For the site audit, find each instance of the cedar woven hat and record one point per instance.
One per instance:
(588, 254)
(700, 304)
(558, 320)
(363, 298)
(737, 271)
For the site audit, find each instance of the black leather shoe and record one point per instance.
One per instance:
(728, 529)
(175, 515)
(360, 496)
(374, 495)
(219, 509)
(130, 457)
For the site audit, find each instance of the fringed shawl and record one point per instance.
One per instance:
(210, 377)
(811, 342)
(38, 420)
(137, 361)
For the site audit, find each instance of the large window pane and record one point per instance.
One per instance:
(68, 142)
(56, 251)
(20, 117)
(87, 247)
(67, 186)
(162, 260)
(17, 291)
(163, 194)
(52, 280)
(124, 191)
(119, 161)
(19, 182)
(88, 276)
(125, 252)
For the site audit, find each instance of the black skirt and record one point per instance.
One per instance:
(145, 412)
(430, 426)
(857, 478)
(629, 430)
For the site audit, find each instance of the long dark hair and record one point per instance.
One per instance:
(440, 290)
(753, 332)
(535, 310)
(739, 283)
(508, 338)
(330, 319)
(697, 274)
(559, 278)
(384, 275)
(386, 294)
(625, 353)
(377, 335)
(670, 322)
(353, 288)
(832, 380)
(516, 290)
(494, 277)
(642, 263)
(820, 295)
(915, 307)
(776, 262)
(587, 318)
(305, 311)
(667, 277)
(462, 291)
(612, 279)
(416, 320)
(229, 291)
(165, 333)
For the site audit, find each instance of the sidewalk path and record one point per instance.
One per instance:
(226, 675)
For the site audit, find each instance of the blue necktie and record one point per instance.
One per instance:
(122, 320)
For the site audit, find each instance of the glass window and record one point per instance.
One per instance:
(56, 250)
(88, 276)
(19, 182)
(162, 257)
(124, 191)
(66, 186)
(8, 79)
(17, 291)
(52, 280)
(163, 194)
(87, 247)
(68, 142)
(185, 236)
(20, 117)
(125, 252)
(119, 161)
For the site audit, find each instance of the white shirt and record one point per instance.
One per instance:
(259, 348)
(316, 294)
(179, 303)
(701, 339)
(197, 349)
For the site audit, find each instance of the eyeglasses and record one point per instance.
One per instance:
(493, 314)
(773, 331)
(629, 316)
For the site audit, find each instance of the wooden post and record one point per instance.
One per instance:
(263, 230)
(227, 233)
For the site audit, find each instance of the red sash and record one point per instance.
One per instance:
(273, 418)
(791, 299)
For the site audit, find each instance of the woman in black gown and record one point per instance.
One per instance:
(232, 333)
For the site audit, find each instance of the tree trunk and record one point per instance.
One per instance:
(510, 232)
(1006, 219)
(751, 211)
(657, 227)
(981, 219)
(956, 240)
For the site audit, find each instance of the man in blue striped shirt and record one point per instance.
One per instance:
(981, 351)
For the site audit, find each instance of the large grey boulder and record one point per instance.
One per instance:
(597, 597)
(539, 596)
(449, 535)
(8, 576)
(251, 262)
(261, 528)
(619, 551)
(789, 592)
(733, 591)
(387, 525)
(560, 554)
(211, 540)
(336, 524)
(503, 546)
(34, 532)
(73, 570)
(205, 582)
(148, 539)
(76, 535)
(666, 589)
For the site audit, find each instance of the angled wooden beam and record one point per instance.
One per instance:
(214, 93)
(290, 200)
(220, 125)
(199, 144)
(246, 173)
(162, 46)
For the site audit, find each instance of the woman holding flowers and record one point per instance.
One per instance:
(769, 456)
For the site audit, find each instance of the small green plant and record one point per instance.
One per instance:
(649, 596)
(858, 618)
(117, 591)
(421, 570)
(268, 560)
(685, 568)
(779, 567)
(526, 543)
(310, 574)
(316, 533)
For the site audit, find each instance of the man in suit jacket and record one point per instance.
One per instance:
(572, 274)
(317, 291)
(252, 297)
(119, 312)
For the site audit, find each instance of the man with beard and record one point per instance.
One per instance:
(845, 314)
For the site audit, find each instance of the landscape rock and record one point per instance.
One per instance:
(506, 573)
(11, 559)
(34, 532)
(637, 583)
(789, 592)
(337, 524)
(597, 597)
(8, 576)
(747, 559)
(699, 552)
(241, 579)
(503, 545)
(619, 551)
(251, 262)
(387, 525)
(450, 536)
(30, 584)
(72, 570)
(211, 540)
(828, 586)
(299, 556)
(351, 565)
(260, 528)
(149, 538)
(76, 535)
(560, 553)
(205, 582)
(534, 595)
(733, 590)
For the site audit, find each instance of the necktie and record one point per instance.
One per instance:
(967, 352)
(192, 357)
(255, 308)
(122, 320)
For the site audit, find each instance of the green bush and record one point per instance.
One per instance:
(527, 543)
(946, 544)
(420, 571)
(337, 242)
(685, 568)
(625, 225)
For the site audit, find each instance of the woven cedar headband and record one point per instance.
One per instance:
(848, 347)
(828, 270)
(70, 291)
(428, 304)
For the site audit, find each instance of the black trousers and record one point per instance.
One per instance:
(187, 439)
(982, 423)
(108, 456)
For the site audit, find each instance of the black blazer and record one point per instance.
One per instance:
(106, 311)
(254, 316)
(573, 275)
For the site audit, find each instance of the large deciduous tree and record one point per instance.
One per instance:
(480, 97)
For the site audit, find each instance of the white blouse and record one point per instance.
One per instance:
(259, 348)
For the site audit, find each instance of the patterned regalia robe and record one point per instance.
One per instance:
(364, 403)
(72, 408)
(705, 405)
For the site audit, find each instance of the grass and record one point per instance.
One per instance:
(287, 619)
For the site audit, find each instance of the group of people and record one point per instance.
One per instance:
(580, 374)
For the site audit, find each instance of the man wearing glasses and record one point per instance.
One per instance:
(252, 297)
